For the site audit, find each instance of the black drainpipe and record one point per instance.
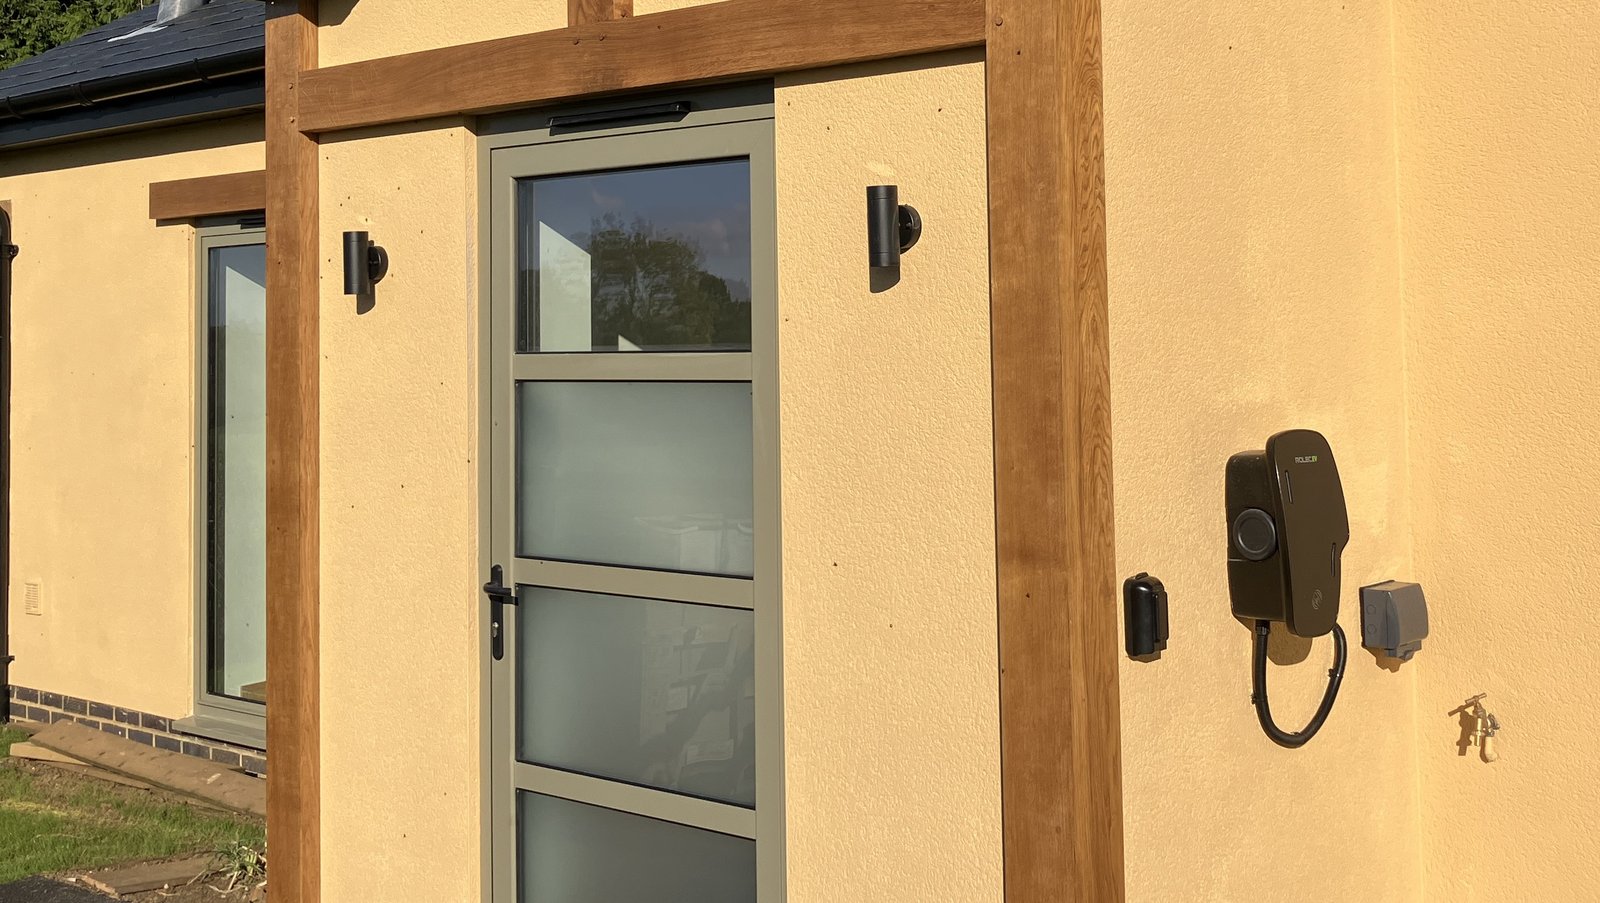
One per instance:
(7, 251)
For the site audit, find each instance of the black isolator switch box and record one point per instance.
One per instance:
(1144, 615)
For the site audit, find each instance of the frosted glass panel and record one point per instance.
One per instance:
(575, 853)
(647, 259)
(639, 474)
(660, 694)
(236, 472)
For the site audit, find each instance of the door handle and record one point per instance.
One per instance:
(500, 596)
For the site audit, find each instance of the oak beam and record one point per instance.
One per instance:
(716, 42)
(235, 192)
(1061, 791)
(582, 12)
(293, 715)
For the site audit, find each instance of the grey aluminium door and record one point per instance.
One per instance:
(636, 720)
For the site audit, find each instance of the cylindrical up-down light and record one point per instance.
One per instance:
(364, 264)
(357, 271)
(883, 226)
(892, 227)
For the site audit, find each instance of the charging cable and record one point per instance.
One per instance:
(1259, 696)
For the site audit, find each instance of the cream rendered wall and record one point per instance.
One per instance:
(1254, 286)
(890, 667)
(352, 31)
(103, 413)
(646, 7)
(401, 801)
(364, 30)
(1500, 212)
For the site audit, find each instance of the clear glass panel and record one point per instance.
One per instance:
(639, 474)
(648, 259)
(576, 853)
(655, 693)
(236, 472)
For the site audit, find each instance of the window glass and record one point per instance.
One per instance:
(638, 474)
(647, 259)
(577, 853)
(236, 494)
(655, 693)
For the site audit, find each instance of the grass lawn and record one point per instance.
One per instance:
(53, 821)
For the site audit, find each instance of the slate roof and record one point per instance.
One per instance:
(221, 38)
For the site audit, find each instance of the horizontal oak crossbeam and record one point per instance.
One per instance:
(236, 192)
(715, 42)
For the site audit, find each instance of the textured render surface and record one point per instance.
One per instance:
(102, 481)
(1500, 203)
(890, 668)
(645, 7)
(399, 524)
(352, 31)
(1254, 286)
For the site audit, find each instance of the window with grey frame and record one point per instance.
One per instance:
(636, 716)
(230, 428)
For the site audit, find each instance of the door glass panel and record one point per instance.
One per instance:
(655, 693)
(639, 474)
(647, 259)
(236, 473)
(575, 853)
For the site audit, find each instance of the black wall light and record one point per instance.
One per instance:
(892, 227)
(364, 264)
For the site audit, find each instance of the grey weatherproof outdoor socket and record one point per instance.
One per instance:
(1394, 618)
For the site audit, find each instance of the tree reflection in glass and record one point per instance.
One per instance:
(647, 259)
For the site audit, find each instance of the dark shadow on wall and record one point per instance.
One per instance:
(334, 12)
(1283, 647)
(1468, 725)
(1386, 662)
(174, 139)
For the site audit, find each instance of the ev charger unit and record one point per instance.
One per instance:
(1287, 528)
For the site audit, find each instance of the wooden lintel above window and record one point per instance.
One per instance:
(716, 42)
(184, 199)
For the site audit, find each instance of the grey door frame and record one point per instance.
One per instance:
(726, 123)
(215, 716)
